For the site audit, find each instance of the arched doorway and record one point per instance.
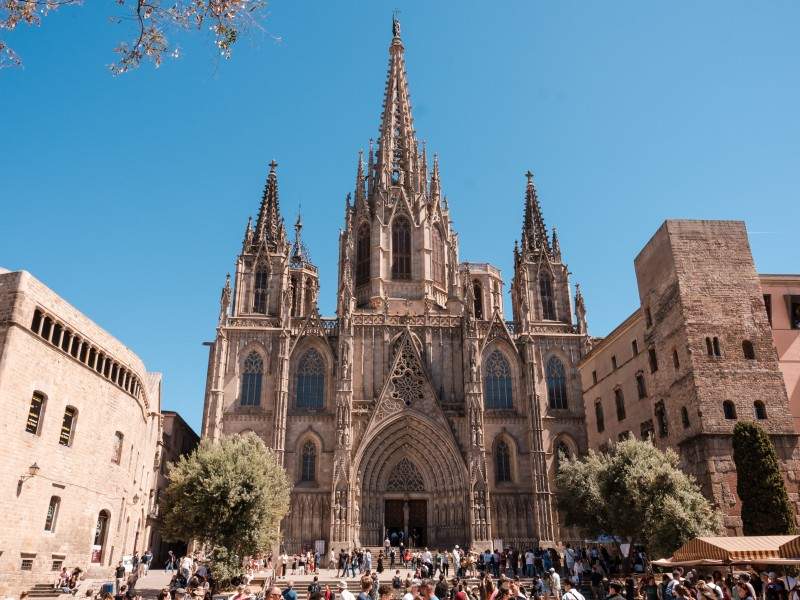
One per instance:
(413, 483)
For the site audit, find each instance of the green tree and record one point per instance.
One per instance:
(636, 492)
(765, 504)
(230, 496)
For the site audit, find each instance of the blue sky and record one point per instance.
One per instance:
(129, 196)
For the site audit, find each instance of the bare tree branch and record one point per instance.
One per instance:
(153, 20)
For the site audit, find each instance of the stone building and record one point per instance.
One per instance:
(419, 389)
(697, 356)
(177, 439)
(782, 301)
(80, 432)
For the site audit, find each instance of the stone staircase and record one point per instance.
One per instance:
(46, 590)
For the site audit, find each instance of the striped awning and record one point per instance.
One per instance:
(734, 549)
(791, 549)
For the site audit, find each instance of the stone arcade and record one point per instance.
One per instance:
(419, 389)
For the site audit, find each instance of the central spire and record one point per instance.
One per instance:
(397, 146)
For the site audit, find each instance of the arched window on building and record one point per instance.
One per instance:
(68, 422)
(116, 453)
(502, 462)
(309, 462)
(619, 400)
(252, 374)
(760, 410)
(685, 417)
(729, 409)
(100, 531)
(477, 291)
(546, 293)
(52, 514)
(747, 350)
(437, 256)
(562, 452)
(260, 291)
(311, 380)
(556, 384)
(599, 416)
(362, 255)
(401, 249)
(34, 423)
(497, 386)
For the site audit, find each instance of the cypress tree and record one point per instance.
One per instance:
(765, 504)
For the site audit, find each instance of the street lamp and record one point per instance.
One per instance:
(33, 471)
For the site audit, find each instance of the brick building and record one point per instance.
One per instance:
(177, 439)
(782, 301)
(698, 355)
(80, 432)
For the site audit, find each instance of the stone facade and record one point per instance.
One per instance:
(782, 299)
(697, 356)
(80, 406)
(419, 409)
(177, 439)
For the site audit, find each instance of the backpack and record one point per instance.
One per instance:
(314, 589)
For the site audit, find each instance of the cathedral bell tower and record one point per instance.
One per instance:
(540, 290)
(398, 233)
(262, 282)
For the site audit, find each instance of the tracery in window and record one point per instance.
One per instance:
(401, 249)
(309, 465)
(502, 458)
(546, 293)
(438, 256)
(252, 374)
(311, 380)
(405, 478)
(497, 385)
(556, 384)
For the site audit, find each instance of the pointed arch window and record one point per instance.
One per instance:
(362, 255)
(308, 471)
(556, 383)
(502, 462)
(438, 256)
(311, 380)
(497, 387)
(260, 291)
(477, 291)
(401, 249)
(546, 293)
(252, 374)
(562, 452)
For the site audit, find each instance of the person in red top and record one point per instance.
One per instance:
(460, 594)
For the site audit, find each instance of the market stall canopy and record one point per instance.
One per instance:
(757, 548)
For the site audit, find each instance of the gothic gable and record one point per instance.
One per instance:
(407, 388)
(405, 477)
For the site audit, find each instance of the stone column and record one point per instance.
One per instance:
(545, 514)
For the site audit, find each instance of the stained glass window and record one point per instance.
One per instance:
(251, 380)
(497, 387)
(556, 383)
(311, 380)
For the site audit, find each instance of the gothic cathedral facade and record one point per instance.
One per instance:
(419, 412)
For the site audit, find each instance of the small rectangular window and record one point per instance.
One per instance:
(57, 564)
(768, 306)
(635, 347)
(27, 564)
(619, 398)
(613, 363)
(641, 389)
(653, 359)
(594, 377)
(648, 316)
(37, 320)
(661, 417)
(794, 312)
(35, 414)
(675, 360)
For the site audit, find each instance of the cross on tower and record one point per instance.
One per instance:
(272, 165)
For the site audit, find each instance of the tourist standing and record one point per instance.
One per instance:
(289, 593)
(344, 593)
(555, 584)
(146, 560)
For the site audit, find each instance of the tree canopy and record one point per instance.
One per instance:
(765, 504)
(150, 23)
(637, 492)
(230, 495)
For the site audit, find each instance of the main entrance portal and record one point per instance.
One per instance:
(406, 521)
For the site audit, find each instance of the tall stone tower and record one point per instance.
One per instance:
(418, 413)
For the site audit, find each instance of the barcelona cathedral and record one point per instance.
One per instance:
(419, 412)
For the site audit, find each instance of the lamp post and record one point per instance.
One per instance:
(33, 471)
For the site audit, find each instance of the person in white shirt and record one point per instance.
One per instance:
(344, 593)
(570, 593)
(413, 591)
(529, 556)
(555, 584)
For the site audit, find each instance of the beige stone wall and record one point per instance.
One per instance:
(82, 474)
(786, 339)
